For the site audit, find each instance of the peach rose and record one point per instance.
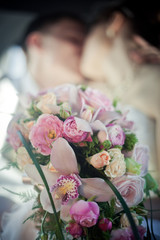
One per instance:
(47, 103)
(22, 157)
(100, 160)
(117, 166)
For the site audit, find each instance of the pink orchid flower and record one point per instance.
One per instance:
(66, 184)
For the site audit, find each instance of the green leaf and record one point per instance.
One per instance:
(10, 165)
(115, 102)
(150, 184)
(132, 166)
(130, 142)
(29, 150)
(24, 196)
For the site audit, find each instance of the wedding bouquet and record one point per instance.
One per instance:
(84, 159)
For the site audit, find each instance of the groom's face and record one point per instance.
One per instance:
(61, 49)
(56, 50)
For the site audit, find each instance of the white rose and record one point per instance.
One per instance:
(47, 103)
(125, 222)
(117, 166)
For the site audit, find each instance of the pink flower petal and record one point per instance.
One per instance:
(46, 204)
(83, 125)
(105, 116)
(33, 173)
(64, 214)
(63, 157)
(96, 187)
(98, 126)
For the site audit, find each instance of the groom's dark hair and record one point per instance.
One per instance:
(41, 23)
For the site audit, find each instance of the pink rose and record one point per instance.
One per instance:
(12, 129)
(141, 155)
(46, 130)
(105, 224)
(71, 133)
(96, 99)
(116, 135)
(74, 229)
(85, 213)
(121, 234)
(141, 231)
(131, 189)
(126, 233)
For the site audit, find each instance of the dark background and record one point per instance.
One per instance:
(16, 15)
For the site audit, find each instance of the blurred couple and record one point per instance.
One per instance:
(115, 53)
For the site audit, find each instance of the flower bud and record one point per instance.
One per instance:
(87, 115)
(74, 229)
(65, 110)
(105, 224)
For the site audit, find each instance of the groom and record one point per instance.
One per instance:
(53, 46)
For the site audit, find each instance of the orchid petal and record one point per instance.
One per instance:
(33, 173)
(83, 125)
(98, 126)
(96, 187)
(105, 116)
(74, 97)
(64, 215)
(46, 204)
(63, 157)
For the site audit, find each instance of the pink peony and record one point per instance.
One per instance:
(71, 131)
(74, 229)
(96, 99)
(46, 130)
(85, 213)
(116, 135)
(105, 224)
(131, 189)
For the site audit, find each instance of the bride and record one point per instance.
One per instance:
(123, 64)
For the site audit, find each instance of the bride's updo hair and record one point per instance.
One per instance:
(143, 17)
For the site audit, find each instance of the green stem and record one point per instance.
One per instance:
(151, 216)
(42, 230)
(126, 209)
(29, 150)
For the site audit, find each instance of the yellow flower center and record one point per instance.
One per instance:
(62, 190)
(52, 134)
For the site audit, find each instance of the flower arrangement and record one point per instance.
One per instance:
(86, 164)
